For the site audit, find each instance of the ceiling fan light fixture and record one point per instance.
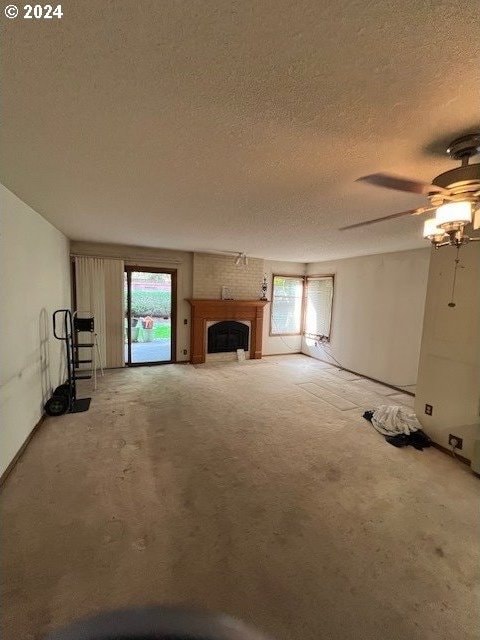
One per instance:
(453, 216)
(431, 231)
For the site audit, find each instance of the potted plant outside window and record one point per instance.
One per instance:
(134, 330)
(148, 328)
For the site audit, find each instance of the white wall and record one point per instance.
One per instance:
(157, 258)
(377, 314)
(273, 345)
(34, 261)
(449, 370)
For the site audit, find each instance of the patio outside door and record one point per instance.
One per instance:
(149, 316)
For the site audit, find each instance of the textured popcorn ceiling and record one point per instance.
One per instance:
(204, 125)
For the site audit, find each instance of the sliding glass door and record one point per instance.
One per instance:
(149, 316)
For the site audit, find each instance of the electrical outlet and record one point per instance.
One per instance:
(185, 321)
(455, 441)
(184, 352)
(429, 409)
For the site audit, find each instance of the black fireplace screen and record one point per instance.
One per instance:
(227, 336)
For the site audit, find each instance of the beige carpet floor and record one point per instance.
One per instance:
(256, 489)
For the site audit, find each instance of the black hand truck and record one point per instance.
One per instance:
(64, 398)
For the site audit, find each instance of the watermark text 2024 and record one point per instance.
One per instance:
(34, 12)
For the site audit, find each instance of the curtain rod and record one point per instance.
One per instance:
(128, 260)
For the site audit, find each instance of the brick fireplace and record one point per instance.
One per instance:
(223, 311)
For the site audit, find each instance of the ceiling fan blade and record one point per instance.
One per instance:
(401, 184)
(410, 212)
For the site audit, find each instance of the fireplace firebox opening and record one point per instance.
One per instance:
(227, 336)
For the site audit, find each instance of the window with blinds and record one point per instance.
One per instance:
(318, 312)
(286, 309)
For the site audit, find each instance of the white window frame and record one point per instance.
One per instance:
(313, 336)
(273, 332)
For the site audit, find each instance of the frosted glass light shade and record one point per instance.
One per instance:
(453, 213)
(431, 230)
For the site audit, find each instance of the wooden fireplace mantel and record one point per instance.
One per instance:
(204, 310)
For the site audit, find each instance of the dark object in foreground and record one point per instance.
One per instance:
(64, 398)
(157, 623)
(417, 439)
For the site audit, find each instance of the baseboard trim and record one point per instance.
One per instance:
(450, 454)
(362, 375)
(21, 451)
(285, 353)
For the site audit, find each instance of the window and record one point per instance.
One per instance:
(318, 312)
(286, 312)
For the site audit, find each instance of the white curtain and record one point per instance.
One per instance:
(99, 291)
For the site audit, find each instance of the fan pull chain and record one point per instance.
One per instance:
(457, 260)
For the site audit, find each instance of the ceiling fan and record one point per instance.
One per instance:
(455, 195)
